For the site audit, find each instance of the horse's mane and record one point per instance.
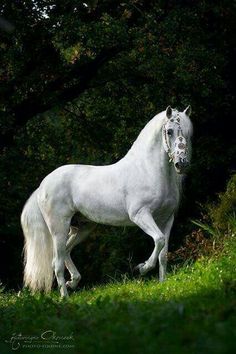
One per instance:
(149, 132)
(152, 130)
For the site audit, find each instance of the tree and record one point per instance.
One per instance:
(77, 84)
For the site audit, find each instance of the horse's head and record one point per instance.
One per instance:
(177, 131)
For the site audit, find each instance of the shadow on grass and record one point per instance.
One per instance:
(203, 322)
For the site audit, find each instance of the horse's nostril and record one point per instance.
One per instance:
(177, 165)
(181, 164)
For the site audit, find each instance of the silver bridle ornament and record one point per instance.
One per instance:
(180, 142)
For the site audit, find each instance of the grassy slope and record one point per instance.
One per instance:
(192, 312)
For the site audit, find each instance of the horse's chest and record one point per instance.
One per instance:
(166, 202)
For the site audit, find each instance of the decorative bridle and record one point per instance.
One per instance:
(180, 142)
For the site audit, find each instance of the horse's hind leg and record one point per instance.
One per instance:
(73, 238)
(76, 236)
(59, 229)
(74, 273)
(72, 241)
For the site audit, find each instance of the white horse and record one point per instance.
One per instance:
(142, 189)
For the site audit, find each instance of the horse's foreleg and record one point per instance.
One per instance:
(164, 251)
(144, 219)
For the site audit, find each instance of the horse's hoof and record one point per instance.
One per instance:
(141, 268)
(68, 284)
(71, 285)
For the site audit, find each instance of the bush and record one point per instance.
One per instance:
(218, 219)
(223, 213)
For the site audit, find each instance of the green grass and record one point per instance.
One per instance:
(192, 312)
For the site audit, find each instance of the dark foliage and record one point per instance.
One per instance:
(78, 83)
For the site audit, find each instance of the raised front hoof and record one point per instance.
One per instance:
(142, 268)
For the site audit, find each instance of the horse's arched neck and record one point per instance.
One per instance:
(149, 143)
(149, 153)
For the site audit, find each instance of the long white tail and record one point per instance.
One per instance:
(38, 248)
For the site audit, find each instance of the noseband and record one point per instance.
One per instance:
(180, 142)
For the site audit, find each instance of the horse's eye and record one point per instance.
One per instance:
(169, 131)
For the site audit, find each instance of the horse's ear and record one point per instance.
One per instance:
(188, 111)
(168, 112)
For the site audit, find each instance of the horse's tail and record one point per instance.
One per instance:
(38, 248)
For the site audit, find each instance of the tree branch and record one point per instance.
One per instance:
(57, 92)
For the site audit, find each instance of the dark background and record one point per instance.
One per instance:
(78, 83)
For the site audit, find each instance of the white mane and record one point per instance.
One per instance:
(151, 133)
